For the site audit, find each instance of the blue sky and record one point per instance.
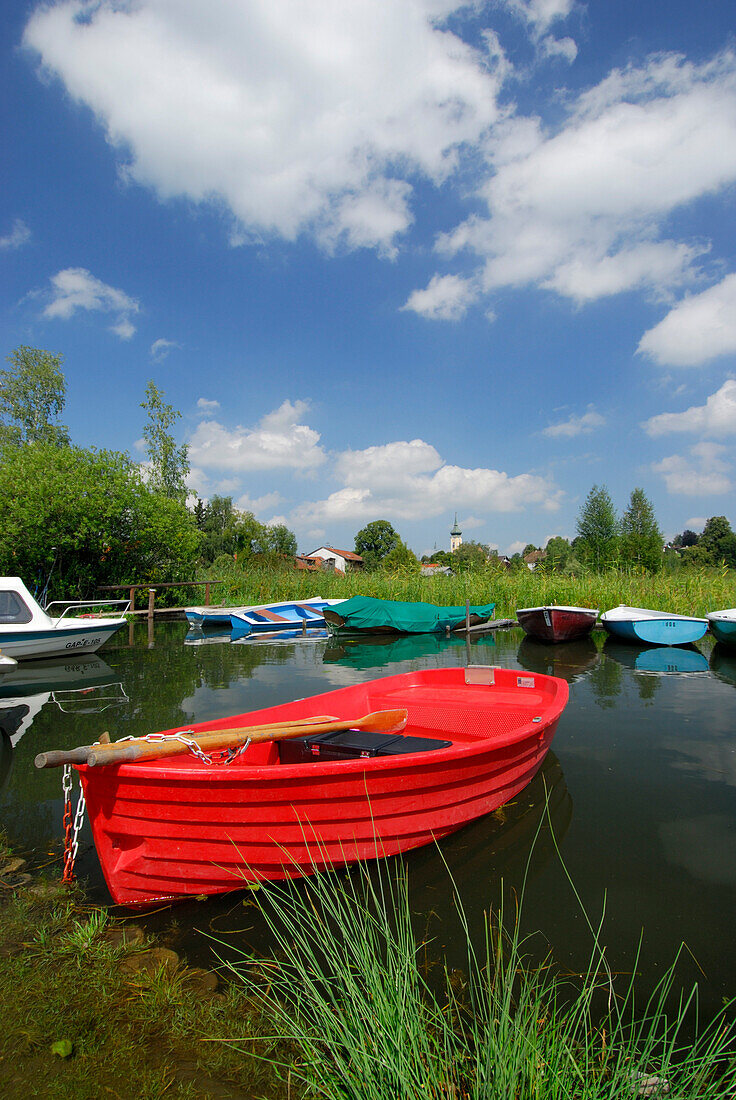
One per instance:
(392, 260)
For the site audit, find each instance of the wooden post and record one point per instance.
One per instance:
(467, 617)
(207, 594)
(151, 598)
(132, 597)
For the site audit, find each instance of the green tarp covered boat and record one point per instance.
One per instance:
(365, 615)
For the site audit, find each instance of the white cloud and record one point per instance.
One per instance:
(278, 441)
(717, 417)
(540, 14)
(408, 480)
(206, 406)
(258, 505)
(19, 235)
(76, 288)
(703, 474)
(699, 328)
(583, 208)
(160, 349)
(446, 298)
(299, 117)
(576, 425)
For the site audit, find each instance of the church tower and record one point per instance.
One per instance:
(456, 537)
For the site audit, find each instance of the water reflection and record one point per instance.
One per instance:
(218, 636)
(568, 660)
(84, 685)
(658, 660)
(376, 650)
(723, 663)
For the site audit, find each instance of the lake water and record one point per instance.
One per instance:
(640, 785)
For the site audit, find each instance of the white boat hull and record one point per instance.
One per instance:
(67, 639)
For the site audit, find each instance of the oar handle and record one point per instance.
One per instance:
(56, 758)
(128, 753)
(381, 721)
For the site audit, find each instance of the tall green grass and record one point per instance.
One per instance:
(687, 592)
(346, 986)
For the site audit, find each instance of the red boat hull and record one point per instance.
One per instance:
(557, 624)
(176, 827)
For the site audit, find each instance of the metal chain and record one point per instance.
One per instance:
(72, 827)
(223, 756)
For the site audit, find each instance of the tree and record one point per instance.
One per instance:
(92, 511)
(597, 528)
(557, 553)
(32, 396)
(470, 555)
(401, 559)
(641, 538)
(279, 539)
(169, 464)
(716, 545)
(374, 541)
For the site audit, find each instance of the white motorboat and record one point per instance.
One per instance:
(27, 630)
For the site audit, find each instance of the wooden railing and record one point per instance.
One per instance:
(152, 588)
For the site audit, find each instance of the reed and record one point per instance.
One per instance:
(347, 988)
(686, 592)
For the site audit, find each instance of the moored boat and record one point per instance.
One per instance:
(285, 615)
(556, 623)
(172, 827)
(722, 625)
(366, 615)
(27, 630)
(640, 624)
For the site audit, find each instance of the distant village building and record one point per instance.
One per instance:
(456, 537)
(432, 569)
(532, 559)
(328, 558)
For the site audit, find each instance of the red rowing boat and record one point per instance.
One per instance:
(177, 826)
(556, 623)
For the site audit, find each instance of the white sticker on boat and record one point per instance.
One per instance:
(525, 681)
(479, 674)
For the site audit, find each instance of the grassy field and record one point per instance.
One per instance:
(686, 592)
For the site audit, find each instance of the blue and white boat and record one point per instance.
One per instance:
(27, 630)
(640, 624)
(287, 615)
(722, 626)
(210, 617)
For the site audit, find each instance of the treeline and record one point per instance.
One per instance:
(75, 518)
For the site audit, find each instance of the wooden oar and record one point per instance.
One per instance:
(382, 721)
(56, 758)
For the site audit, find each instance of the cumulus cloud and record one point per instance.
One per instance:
(160, 349)
(307, 117)
(699, 328)
(206, 406)
(717, 417)
(446, 298)
(539, 15)
(703, 473)
(19, 235)
(576, 425)
(582, 208)
(76, 288)
(278, 441)
(408, 480)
